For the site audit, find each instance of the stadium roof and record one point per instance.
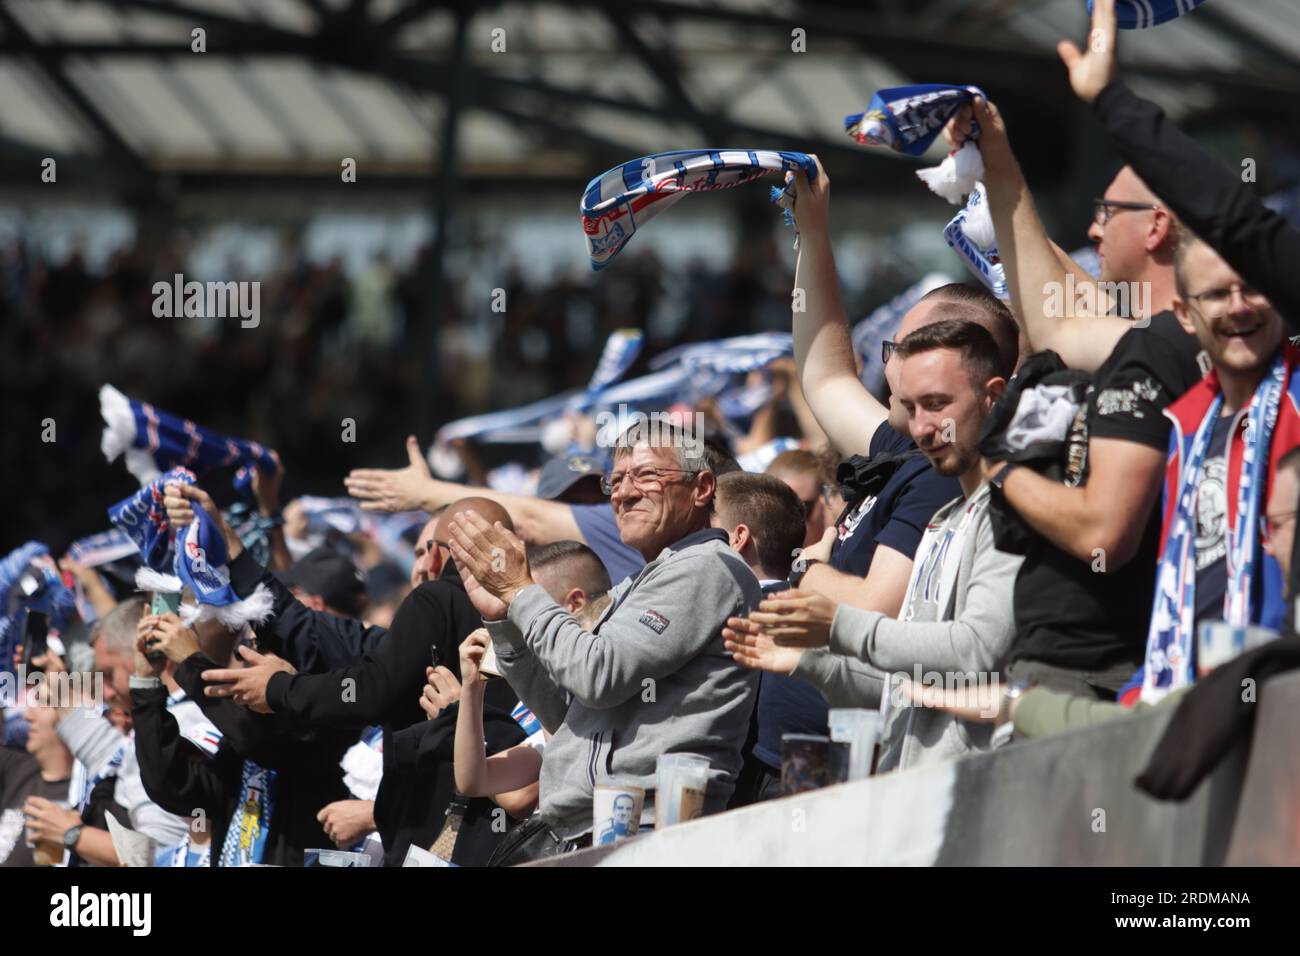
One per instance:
(290, 87)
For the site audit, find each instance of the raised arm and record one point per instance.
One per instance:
(413, 488)
(823, 347)
(1033, 264)
(1214, 201)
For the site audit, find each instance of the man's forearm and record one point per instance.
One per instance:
(537, 520)
(1068, 517)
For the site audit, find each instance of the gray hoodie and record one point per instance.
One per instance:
(957, 620)
(651, 678)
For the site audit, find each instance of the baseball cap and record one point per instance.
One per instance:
(329, 575)
(561, 474)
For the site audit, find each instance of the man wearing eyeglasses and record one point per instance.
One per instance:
(652, 676)
(1231, 431)
(1081, 597)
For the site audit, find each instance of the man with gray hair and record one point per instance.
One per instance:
(104, 752)
(651, 677)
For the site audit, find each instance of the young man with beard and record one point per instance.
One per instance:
(957, 616)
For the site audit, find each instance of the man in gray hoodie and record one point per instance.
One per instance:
(651, 677)
(957, 619)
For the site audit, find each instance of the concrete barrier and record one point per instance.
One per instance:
(1063, 800)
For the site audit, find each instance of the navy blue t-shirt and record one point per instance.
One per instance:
(897, 518)
(599, 528)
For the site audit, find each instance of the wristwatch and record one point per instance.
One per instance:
(71, 835)
(801, 569)
(998, 479)
(1014, 690)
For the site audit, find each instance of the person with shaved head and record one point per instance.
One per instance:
(379, 685)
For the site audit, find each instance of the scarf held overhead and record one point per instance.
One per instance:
(1141, 14)
(625, 198)
(908, 119)
(155, 441)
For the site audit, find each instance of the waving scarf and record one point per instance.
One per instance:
(155, 441)
(1141, 14)
(1169, 659)
(53, 598)
(195, 558)
(619, 201)
(908, 119)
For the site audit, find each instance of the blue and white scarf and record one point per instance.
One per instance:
(908, 119)
(155, 441)
(178, 855)
(760, 459)
(1169, 656)
(196, 559)
(1141, 14)
(621, 200)
(103, 548)
(970, 234)
(143, 518)
(201, 559)
(55, 599)
(246, 836)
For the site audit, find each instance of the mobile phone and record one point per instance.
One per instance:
(36, 629)
(161, 603)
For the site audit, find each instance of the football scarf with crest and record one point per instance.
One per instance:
(1169, 662)
(908, 119)
(622, 200)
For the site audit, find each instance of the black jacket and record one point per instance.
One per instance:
(314, 642)
(1209, 198)
(386, 682)
(419, 785)
(180, 778)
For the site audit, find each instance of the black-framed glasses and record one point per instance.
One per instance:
(1101, 208)
(645, 478)
(887, 349)
(1270, 525)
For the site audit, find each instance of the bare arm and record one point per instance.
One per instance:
(823, 347)
(537, 520)
(883, 589)
(1035, 267)
(1108, 514)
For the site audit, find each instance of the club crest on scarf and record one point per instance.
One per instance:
(195, 558)
(1141, 14)
(1169, 658)
(908, 119)
(621, 200)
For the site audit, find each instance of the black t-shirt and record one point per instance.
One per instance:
(898, 515)
(895, 518)
(1212, 525)
(1068, 615)
(20, 778)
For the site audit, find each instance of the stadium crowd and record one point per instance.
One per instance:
(1052, 498)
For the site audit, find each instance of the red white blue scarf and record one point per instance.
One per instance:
(621, 200)
(1169, 659)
